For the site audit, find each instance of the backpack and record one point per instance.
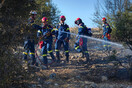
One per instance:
(88, 31)
(109, 30)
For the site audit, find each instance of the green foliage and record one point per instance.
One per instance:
(124, 27)
(13, 28)
(11, 72)
(47, 9)
(12, 14)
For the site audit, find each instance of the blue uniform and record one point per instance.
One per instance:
(106, 35)
(81, 31)
(29, 42)
(46, 33)
(105, 31)
(62, 38)
(29, 49)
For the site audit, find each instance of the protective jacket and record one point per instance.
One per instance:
(61, 31)
(106, 28)
(46, 35)
(81, 43)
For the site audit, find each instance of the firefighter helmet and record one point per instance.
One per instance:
(78, 21)
(62, 18)
(104, 19)
(44, 19)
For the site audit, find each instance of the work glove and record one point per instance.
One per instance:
(108, 36)
(48, 34)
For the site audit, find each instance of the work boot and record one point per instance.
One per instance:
(36, 64)
(67, 59)
(87, 59)
(82, 55)
(58, 59)
(54, 60)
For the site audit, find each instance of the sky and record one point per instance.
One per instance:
(73, 9)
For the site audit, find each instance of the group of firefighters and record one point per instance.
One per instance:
(62, 35)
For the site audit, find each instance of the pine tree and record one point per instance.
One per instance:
(13, 18)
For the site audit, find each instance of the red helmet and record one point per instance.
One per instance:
(78, 21)
(62, 18)
(104, 19)
(44, 19)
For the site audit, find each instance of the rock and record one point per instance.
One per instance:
(38, 86)
(52, 76)
(61, 55)
(72, 57)
(84, 73)
(129, 87)
(93, 66)
(93, 85)
(38, 79)
(76, 86)
(86, 86)
(43, 67)
(34, 86)
(78, 77)
(48, 82)
(56, 84)
(122, 86)
(54, 70)
(105, 85)
(88, 83)
(104, 78)
(49, 61)
(63, 62)
(72, 79)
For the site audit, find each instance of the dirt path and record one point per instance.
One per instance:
(102, 73)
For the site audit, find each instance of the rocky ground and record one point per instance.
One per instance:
(108, 69)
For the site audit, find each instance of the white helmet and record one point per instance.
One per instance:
(33, 12)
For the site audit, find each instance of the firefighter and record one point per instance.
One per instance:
(62, 37)
(31, 23)
(29, 42)
(29, 49)
(81, 41)
(46, 35)
(106, 32)
(32, 17)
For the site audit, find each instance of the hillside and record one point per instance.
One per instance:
(108, 69)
